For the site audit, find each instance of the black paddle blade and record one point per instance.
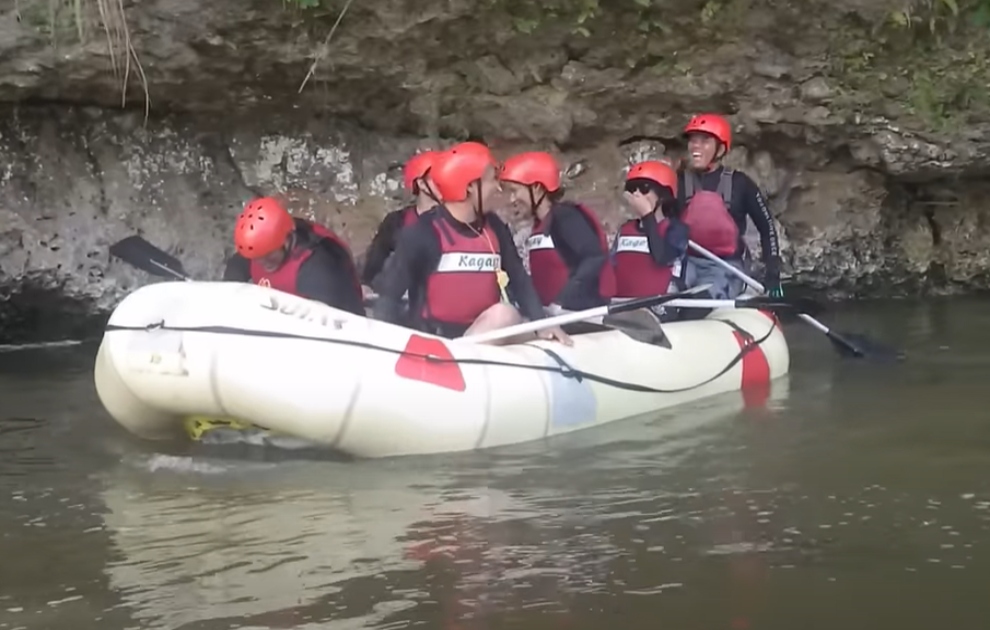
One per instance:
(656, 300)
(782, 306)
(857, 346)
(138, 252)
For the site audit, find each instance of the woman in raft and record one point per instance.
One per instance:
(649, 251)
(568, 248)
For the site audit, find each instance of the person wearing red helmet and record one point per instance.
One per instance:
(648, 251)
(458, 263)
(293, 255)
(715, 203)
(568, 248)
(416, 178)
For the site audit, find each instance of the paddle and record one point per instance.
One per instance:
(847, 344)
(138, 252)
(780, 306)
(580, 316)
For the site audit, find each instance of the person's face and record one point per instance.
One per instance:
(424, 186)
(271, 262)
(517, 192)
(701, 150)
(487, 186)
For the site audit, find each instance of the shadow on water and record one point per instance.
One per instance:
(857, 496)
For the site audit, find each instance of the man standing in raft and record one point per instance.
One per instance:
(716, 202)
(293, 255)
(568, 249)
(649, 251)
(459, 263)
(416, 178)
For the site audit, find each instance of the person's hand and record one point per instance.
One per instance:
(639, 203)
(555, 334)
(553, 309)
(771, 279)
(367, 292)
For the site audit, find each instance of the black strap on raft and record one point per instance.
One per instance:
(562, 368)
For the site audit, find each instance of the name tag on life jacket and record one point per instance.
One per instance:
(539, 241)
(454, 262)
(637, 244)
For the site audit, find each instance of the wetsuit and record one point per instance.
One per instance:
(319, 267)
(383, 243)
(420, 261)
(745, 200)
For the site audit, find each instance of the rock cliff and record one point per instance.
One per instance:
(866, 123)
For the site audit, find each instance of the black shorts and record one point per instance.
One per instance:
(445, 329)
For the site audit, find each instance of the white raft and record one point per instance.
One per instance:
(297, 367)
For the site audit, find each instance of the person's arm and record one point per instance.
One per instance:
(520, 283)
(658, 252)
(326, 276)
(756, 208)
(238, 269)
(664, 251)
(675, 242)
(570, 227)
(416, 251)
(382, 244)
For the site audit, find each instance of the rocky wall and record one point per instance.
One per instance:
(870, 141)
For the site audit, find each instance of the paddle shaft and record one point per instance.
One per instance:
(578, 316)
(180, 276)
(752, 282)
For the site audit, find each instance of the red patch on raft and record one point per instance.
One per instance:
(755, 373)
(414, 364)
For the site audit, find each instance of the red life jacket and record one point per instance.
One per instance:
(549, 271)
(464, 283)
(409, 216)
(636, 273)
(285, 277)
(707, 216)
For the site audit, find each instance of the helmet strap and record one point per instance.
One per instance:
(479, 206)
(534, 203)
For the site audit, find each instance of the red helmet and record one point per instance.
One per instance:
(535, 167)
(654, 171)
(417, 166)
(262, 228)
(458, 166)
(712, 124)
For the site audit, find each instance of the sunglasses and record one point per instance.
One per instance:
(640, 187)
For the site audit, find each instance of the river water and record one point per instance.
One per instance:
(858, 496)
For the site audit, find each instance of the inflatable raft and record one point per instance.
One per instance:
(299, 368)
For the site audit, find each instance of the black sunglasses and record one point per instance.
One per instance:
(642, 187)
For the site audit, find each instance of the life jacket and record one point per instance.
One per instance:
(707, 216)
(309, 236)
(409, 216)
(464, 283)
(636, 273)
(549, 271)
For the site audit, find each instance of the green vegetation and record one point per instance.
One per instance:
(929, 59)
(939, 18)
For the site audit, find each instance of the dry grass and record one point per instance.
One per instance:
(121, 49)
(113, 19)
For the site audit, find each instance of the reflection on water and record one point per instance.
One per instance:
(858, 497)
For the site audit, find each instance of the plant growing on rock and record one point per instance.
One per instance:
(58, 18)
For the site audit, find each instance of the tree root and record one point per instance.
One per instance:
(325, 48)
